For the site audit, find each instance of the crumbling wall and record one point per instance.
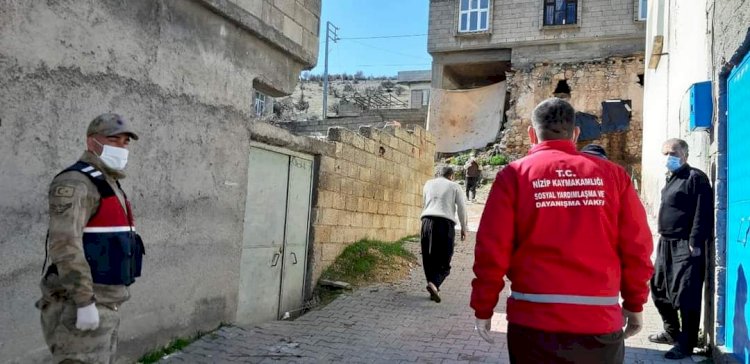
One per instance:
(370, 185)
(590, 83)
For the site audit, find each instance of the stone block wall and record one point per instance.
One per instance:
(590, 83)
(409, 118)
(369, 186)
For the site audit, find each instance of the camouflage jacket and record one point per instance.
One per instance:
(73, 200)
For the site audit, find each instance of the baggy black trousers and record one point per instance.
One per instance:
(438, 237)
(677, 290)
(531, 346)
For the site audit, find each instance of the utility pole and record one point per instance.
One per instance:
(330, 28)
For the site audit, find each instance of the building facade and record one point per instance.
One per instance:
(696, 89)
(590, 52)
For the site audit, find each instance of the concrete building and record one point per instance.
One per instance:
(189, 74)
(691, 44)
(418, 84)
(588, 51)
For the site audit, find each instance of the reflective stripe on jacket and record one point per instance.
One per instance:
(112, 249)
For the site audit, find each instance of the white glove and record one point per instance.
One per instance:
(87, 318)
(633, 322)
(483, 328)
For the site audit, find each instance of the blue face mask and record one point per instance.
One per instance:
(673, 163)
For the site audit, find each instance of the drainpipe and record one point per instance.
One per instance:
(720, 186)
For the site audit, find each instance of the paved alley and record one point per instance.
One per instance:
(387, 324)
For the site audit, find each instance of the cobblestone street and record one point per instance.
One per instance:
(389, 323)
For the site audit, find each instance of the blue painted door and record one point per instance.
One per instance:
(738, 211)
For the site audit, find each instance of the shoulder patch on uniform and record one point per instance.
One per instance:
(64, 191)
(60, 208)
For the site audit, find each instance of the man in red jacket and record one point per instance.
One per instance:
(569, 231)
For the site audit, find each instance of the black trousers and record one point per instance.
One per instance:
(471, 185)
(677, 290)
(532, 346)
(438, 236)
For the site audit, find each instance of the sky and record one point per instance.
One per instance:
(375, 18)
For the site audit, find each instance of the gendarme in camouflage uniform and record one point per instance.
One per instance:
(85, 203)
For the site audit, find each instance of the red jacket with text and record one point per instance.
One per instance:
(569, 231)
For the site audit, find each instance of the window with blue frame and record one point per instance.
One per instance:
(474, 16)
(560, 12)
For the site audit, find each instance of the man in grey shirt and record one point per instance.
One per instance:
(442, 199)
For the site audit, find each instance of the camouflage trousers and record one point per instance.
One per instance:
(70, 345)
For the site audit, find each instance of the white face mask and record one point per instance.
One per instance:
(114, 157)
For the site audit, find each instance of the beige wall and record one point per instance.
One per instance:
(590, 83)
(365, 193)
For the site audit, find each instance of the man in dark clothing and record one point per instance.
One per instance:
(686, 221)
(472, 177)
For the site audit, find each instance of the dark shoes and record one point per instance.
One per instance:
(433, 292)
(661, 338)
(676, 353)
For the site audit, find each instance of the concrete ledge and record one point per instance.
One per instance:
(274, 135)
(258, 27)
(435, 50)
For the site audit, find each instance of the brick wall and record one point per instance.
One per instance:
(409, 118)
(590, 83)
(369, 186)
(519, 23)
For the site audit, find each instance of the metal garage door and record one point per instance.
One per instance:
(274, 247)
(738, 210)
